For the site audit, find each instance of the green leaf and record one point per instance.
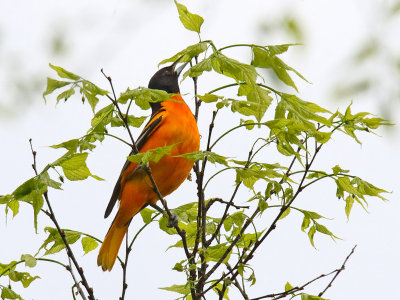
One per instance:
(258, 101)
(131, 120)
(147, 214)
(7, 293)
(198, 69)
(181, 289)
(64, 73)
(349, 205)
(311, 233)
(75, 168)
(288, 286)
(66, 94)
(30, 261)
(186, 212)
(89, 244)
(69, 145)
(53, 85)
(208, 98)
(285, 213)
(187, 54)
(54, 243)
(191, 21)
(143, 96)
(214, 253)
(305, 223)
(14, 206)
(201, 155)
(310, 297)
(232, 68)
(152, 155)
(301, 110)
(336, 170)
(311, 214)
(178, 267)
(322, 229)
(265, 59)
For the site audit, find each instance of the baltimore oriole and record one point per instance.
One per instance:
(171, 123)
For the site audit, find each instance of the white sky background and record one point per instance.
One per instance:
(128, 39)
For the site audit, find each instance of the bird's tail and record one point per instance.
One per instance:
(111, 244)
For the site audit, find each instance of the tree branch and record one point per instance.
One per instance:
(70, 254)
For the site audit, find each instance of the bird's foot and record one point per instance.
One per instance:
(173, 220)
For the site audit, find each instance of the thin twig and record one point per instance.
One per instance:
(338, 272)
(52, 216)
(76, 283)
(302, 287)
(213, 200)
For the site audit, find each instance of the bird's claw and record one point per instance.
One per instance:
(173, 221)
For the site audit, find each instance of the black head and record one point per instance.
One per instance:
(166, 79)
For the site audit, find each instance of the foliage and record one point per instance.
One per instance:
(217, 248)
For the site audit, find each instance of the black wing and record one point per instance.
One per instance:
(143, 137)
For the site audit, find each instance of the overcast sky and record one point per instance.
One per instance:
(128, 39)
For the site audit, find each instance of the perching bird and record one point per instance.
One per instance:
(171, 123)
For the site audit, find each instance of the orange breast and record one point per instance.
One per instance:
(179, 127)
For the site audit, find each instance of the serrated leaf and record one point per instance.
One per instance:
(191, 21)
(88, 244)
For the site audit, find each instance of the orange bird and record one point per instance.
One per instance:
(171, 122)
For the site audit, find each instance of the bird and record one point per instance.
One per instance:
(171, 123)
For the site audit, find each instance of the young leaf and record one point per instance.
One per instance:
(258, 100)
(181, 289)
(232, 68)
(30, 261)
(8, 293)
(187, 54)
(152, 155)
(88, 244)
(349, 205)
(211, 157)
(191, 21)
(288, 286)
(52, 85)
(146, 214)
(64, 73)
(311, 233)
(214, 253)
(66, 94)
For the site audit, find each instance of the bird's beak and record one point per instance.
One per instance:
(180, 69)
